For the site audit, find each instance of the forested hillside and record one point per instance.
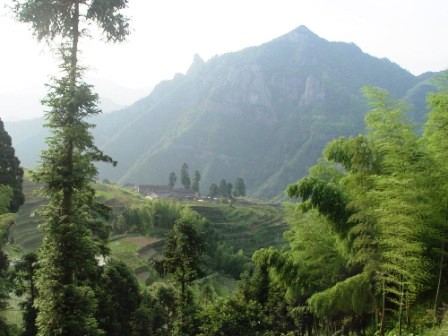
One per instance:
(263, 113)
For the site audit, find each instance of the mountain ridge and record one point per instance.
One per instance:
(263, 113)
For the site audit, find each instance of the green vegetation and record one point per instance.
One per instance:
(181, 259)
(11, 197)
(185, 176)
(240, 188)
(376, 217)
(11, 174)
(237, 227)
(172, 179)
(196, 180)
(366, 249)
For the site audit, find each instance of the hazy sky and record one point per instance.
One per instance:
(167, 33)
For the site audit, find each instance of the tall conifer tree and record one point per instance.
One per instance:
(68, 269)
(11, 174)
(185, 176)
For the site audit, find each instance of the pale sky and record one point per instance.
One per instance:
(167, 33)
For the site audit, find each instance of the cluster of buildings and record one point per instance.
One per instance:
(165, 191)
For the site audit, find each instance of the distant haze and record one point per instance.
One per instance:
(168, 33)
(25, 104)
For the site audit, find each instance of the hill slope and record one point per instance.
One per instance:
(263, 114)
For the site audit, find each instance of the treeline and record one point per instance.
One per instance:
(222, 189)
(185, 179)
(147, 218)
(227, 189)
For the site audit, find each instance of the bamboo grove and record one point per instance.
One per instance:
(367, 244)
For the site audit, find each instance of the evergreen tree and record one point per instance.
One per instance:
(6, 221)
(181, 258)
(73, 237)
(196, 179)
(213, 190)
(119, 299)
(24, 284)
(229, 190)
(223, 188)
(185, 177)
(11, 174)
(11, 197)
(239, 188)
(172, 179)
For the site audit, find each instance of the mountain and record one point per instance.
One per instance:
(264, 114)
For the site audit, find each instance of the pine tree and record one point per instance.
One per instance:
(73, 236)
(6, 221)
(213, 190)
(181, 258)
(119, 299)
(23, 276)
(185, 177)
(223, 188)
(11, 174)
(172, 179)
(239, 188)
(196, 180)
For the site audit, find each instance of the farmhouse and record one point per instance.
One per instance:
(164, 191)
(154, 191)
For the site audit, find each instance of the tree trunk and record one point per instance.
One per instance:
(383, 311)
(67, 206)
(400, 310)
(440, 269)
(438, 284)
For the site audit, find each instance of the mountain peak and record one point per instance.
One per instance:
(197, 64)
(300, 34)
(302, 29)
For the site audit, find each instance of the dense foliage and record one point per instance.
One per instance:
(372, 243)
(11, 174)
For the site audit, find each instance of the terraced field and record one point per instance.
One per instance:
(24, 232)
(247, 227)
